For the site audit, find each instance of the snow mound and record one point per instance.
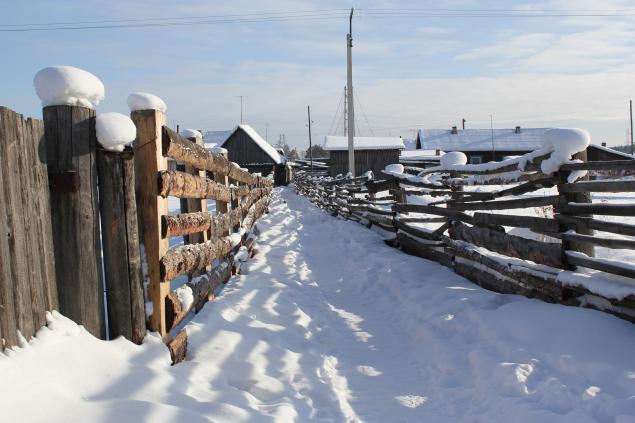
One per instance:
(218, 150)
(146, 101)
(191, 133)
(453, 158)
(115, 130)
(564, 143)
(394, 168)
(68, 86)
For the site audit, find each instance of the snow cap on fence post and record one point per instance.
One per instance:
(191, 133)
(68, 86)
(453, 158)
(115, 130)
(563, 143)
(145, 101)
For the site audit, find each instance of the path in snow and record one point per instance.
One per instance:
(329, 324)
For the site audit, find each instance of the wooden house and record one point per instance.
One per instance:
(485, 145)
(371, 153)
(247, 148)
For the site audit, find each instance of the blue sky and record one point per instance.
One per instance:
(409, 71)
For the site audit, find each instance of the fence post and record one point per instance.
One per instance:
(575, 197)
(149, 160)
(221, 206)
(70, 148)
(195, 204)
(120, 240)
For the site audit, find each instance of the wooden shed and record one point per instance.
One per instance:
(371, 153)
(247, 148)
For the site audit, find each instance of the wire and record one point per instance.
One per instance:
(335, 116)
(363, 112)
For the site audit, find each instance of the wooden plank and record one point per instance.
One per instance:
(519, 203)
(579, 259)
(416, 248)
(31, 219)
(122, 263)
(597, 208)
(190, 258)
(149, 161)
(613, 243)
(8, 321)
(549, 254)
(579, 223)
(178, 347)
(439, 211)
(533, 223)
(599, 186)
(182, 150)
(182, 185)
(600, 165)
(11, 161)
(43, 212)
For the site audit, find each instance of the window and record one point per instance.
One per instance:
(476, 159)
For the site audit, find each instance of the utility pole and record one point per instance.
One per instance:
(631, 104)
(241, 108)
(491, 126)
(349, 93)
(308, 111)
(345, 112)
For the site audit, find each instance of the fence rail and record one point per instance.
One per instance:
(454, 223)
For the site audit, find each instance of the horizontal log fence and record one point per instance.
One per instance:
(454, 223)
(241, 198)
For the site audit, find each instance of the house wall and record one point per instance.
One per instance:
(244, 151)
(597, 154)
(365, 160)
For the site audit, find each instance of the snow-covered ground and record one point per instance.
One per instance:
(329, 324)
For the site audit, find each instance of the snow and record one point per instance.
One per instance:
(474, 139)
(115, 130)
(146, 101)
(185, 296)
(394, 168)
(354, 332)
(563, 143)
(191, 133)
(453, 158)
(218, 150)
(337, 143)
(419, 155)
(67, 85)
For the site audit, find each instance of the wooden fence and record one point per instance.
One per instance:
(27, 266)
(452, 221)
(241, 198)
(70, 208)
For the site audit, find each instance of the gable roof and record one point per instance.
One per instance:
(338, 143)
(529, 139)
(611, 151)
(264, 145)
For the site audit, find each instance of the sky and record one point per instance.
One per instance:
(410, 69)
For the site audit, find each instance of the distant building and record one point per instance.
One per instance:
(247, 148)
(485, 145)
(482, 145)
(371, 153)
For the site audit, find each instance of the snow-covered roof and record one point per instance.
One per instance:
(528, 139)
(409, 144)
(334, 143)
(416, 155)
(610, 150)
(264, 145)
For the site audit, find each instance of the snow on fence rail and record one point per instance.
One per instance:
(447, 215)
(210, 238)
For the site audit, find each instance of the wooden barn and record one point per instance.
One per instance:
(371, 153)
(247, 148)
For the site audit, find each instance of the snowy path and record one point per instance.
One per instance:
(329, 324)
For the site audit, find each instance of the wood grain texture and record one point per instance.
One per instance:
(183, 185)
(70, 146)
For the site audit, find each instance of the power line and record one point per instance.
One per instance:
(335, 117)
(364, 113)
(311, 15)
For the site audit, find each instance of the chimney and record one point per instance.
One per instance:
(517, 131)
(437, 152)
(603, 144)
(463, 123)
(454, 130)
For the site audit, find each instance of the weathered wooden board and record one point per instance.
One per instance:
(182, 185)
(70, 146)
(599, 186)
(546, 253)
